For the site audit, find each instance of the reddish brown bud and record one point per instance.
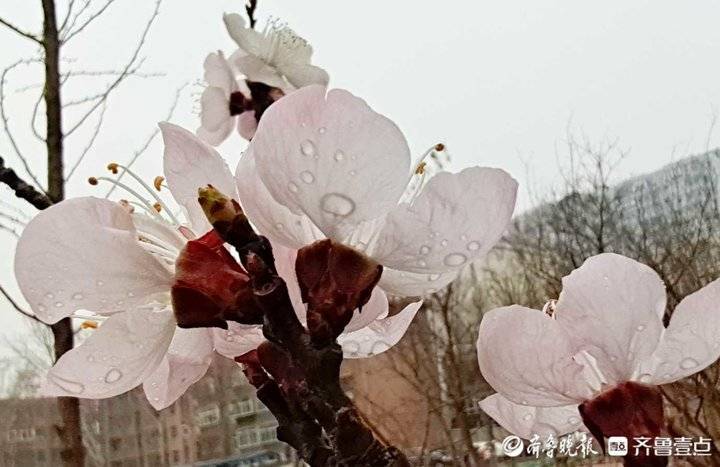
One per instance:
(334, 280)
(210, 287)
(629, 409)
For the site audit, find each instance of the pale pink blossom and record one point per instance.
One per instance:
(607, 329)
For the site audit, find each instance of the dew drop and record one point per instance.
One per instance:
(573, 420)
(100, 283)
(279, 226)
(430, 290)
(131, 294)
(527, 417)
(292, 187)
(90, 358)
(352, 173)
(41, 308)
(337, 204)
(473, 246)
(613, 358)
(433, 277)
(640, 328)
(444, 243)
(77, 296)
(422, 263)
(307, 177)
(307, 148)
(322, 130)
(455, 259)
(645, 378)
(113, 376)
(424, 250)
(688, 363)
(49, 296)
(339, 155)
(59, 304)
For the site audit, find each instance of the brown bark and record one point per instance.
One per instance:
(73, 453)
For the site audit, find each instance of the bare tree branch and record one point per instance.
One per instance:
(19, 31)
(72, 33)
(89, 144)
(250, 7)
(23, 189)
(127, 71)
(17, 307)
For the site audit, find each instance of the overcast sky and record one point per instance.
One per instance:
(497, 82)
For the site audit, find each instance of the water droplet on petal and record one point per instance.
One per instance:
(131, 294)
(455, 259)
(90, 358)
(279, 226)
(307, 148)
(58, 304)
(322, 130)
(645, 378)
(688, 363)
(613, 358)
(100, 283)
(527, 417)
(444, 243)
(573, 420)
(41, 308)
(422, 263)
(339, 155)
(307, 177)
(113, 376)
(433, 277)
(352, 173)
(292, 187)
(640, 328)
(473, 246)
(424, 250)
(337, 204)
(77, 296)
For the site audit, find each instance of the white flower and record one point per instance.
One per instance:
(93, 255)
(325, 165)
(224, 102)
(276, 56)
(607, 329)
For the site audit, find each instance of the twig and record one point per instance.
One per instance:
(13, 219)
(72, 33)
(23, 189)
(89, 145)
(17, 307)
(250, 7)
(140, 151)
(6, 120)
(10, 230)
(127, 70)
(27, 35)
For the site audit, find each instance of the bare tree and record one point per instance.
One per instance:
(60, 28)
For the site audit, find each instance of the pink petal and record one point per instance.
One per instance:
(411, 284)
(331, 157)
(249, 40)
(527, 421)
(237, 340)
(272, 219)
(83, 253)
(258, 71)
(185, 363)
(118, 356)
(456, 220)
(303, 74)
(214, 109)
(380, 335)
(247, 125)
(691, 342)
(376, 306)
(612, 307)
(219, 74)
(215, 138)
(189, 165)
(527, 357)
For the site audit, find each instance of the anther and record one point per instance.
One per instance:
(439, 147)
(113, 167)
(127, 206)
(420, 168)
(158, 181)
(88, 325)
(93, 181)
(157, 207)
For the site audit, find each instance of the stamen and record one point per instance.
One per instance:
(95, 180)
(88, 325)
(158, 182)
(95, 318)
(126, 204)
(158, 207)
(113, 167)
(152, 192)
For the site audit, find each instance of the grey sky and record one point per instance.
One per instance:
(497, 82)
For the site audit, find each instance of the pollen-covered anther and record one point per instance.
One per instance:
(93, 181)
(420, 169)
(113, 167)
(439, 147)
(88, 325)
(127, 206)
(158, 182)
(157, 207)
